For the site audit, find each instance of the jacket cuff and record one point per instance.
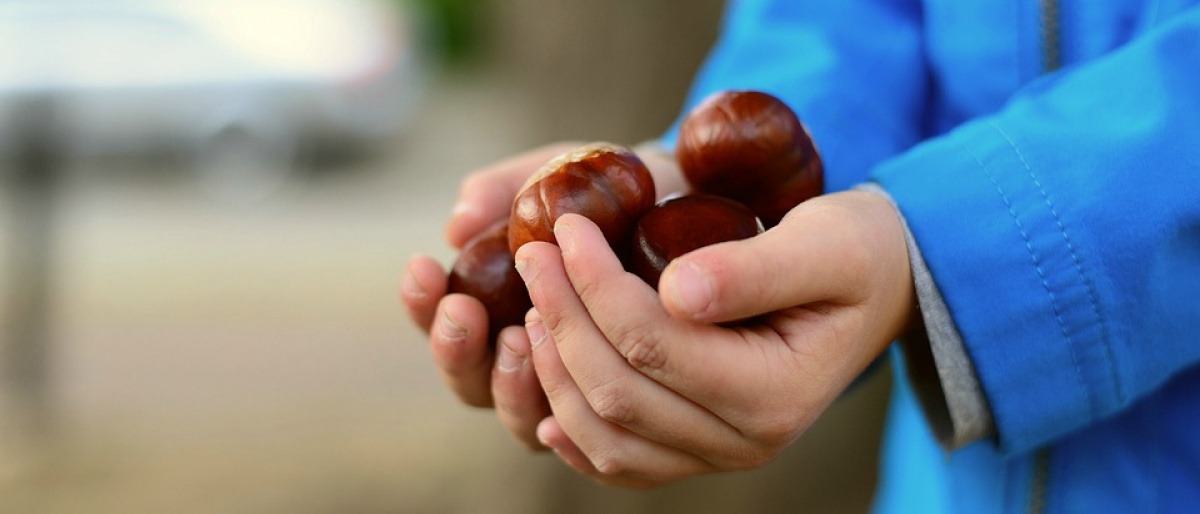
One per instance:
(939, 368)
(998, 251)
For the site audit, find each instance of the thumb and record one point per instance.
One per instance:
(818, 253)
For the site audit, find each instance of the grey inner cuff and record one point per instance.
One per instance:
(970, 416)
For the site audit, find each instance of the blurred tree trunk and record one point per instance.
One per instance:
(614, 70)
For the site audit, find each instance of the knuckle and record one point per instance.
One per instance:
(749, 453)
(641, 347)
(776, 431)
(556, 324)
(646, 355)
(749, 456)
(561, 328)
(758, 457)
(611, 402)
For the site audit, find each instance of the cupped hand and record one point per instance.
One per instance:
(479, 373)
(742, 349)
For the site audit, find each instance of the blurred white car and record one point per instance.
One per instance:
(244, 88)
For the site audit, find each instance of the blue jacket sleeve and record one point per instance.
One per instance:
(865, 53)
(1064, 234)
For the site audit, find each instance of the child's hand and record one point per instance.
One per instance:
(646, 388)
(457, 324)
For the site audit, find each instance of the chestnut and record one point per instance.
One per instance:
(749, 146)
(603, 182)
(485, 270)
(679, 225)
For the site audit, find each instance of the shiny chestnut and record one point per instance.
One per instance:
(680, 225)
(749, 146)
(606, 183)
(485, 270)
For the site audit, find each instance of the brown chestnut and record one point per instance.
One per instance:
(485, 270)
(680, 225)
(749, 146)
(603, 182)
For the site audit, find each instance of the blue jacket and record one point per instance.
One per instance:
(1046, 156)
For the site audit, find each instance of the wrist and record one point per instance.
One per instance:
(937, 364)
(894, 287)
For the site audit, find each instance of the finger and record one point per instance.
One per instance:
(706, 364)
(615, 453)
(421, 288)
(520, 402)
(553, 436)
(615, 390)
(486, 195)
(805, 259)
(461, 350)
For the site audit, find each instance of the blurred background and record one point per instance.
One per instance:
(205, 206)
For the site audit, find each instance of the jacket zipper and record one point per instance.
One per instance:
(1039, 490)
(1051, 32)
(1040, 483)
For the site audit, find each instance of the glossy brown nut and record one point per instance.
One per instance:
(606, 183)
(749, 146)
(485, 270)
(680, 225)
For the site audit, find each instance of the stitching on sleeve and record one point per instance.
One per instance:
(1091, 289)
(1062, 326)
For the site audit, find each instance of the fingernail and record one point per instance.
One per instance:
(564, 235)
(526, 268)
(460, 209)
(691, 288)
(507, 360)
(536, 331)
(452, 331)
(411, 287)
